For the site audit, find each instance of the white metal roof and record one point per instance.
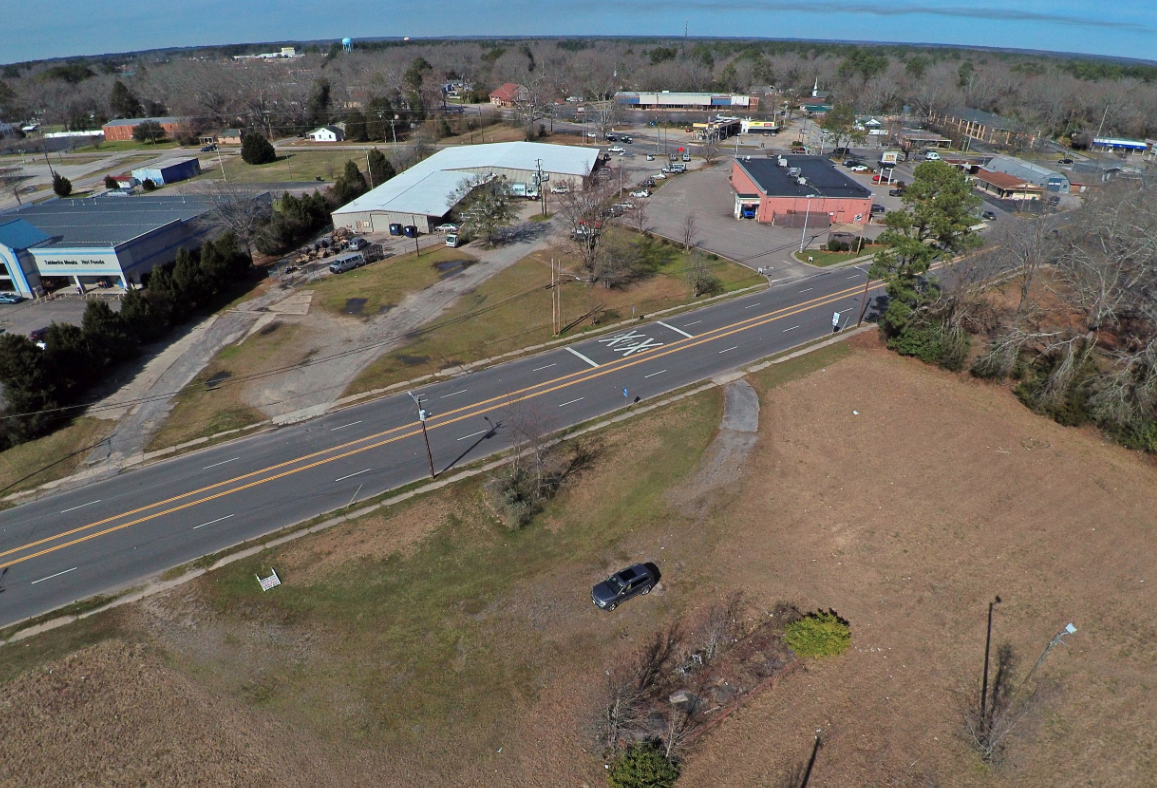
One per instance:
(431, 186)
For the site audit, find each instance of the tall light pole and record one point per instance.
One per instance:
(806, 216)
(423, 414)
(1059, 638)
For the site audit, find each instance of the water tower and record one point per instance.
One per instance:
(347, 44)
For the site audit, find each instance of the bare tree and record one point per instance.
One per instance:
(632, 686)
(1010, 707)
(639, 214)
(710, 147)
(10, 180)
(583, 212)
(690, 232)
(238, 208)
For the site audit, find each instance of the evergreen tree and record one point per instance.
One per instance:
(349, 185)
(192, 287)
(355, 126)
(141, 319)
(124, 104)
(149, 132)
(319, 101)
(110, 183)
(255, 149)
(381, 170)
(642, 766)
(61, 185)
(109, 339)
(28, 388)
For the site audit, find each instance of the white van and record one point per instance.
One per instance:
(347, 262)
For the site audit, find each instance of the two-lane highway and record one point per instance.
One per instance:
(109, 534)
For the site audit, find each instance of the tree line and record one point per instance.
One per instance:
(41, 384)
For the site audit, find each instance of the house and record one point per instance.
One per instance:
(326, 134)
(229, 137)
(508, 94)
(126, 182)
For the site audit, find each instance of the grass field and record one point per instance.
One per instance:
(823, 257)
(122, 145)
(384, 283)
(51, 457)
(512, 310)
(202, 409)
(290, 166)
(430, 643)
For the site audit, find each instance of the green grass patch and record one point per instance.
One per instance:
(121, 145)
(423, 640)
(824, 258)
(787, 371)
(290, 166)
(52, 457)
(512, 310)
(386, 282)
(819, 634)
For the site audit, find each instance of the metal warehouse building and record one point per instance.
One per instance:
(169, 171)
(668, 100)
(1047, 179)
(87, 241)
(425, 193)
(791, 190)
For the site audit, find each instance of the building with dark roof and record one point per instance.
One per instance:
(789, 190)
(1006, 187)
(92, 240)
(979, 125)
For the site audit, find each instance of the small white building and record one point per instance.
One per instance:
(326, 134)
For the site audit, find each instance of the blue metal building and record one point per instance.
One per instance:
(169, 171)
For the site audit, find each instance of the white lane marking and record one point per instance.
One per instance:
(224, 462)
(580, 355)
(693, 322)
(793, 328)
(653, 374)
(212, 522)
(729, 349)
(73, 509)
(342, 427)
(58, 574)
(806, 289)
(751, 306)
(573, 401)
(473, 435)
(676, 330)
(350, 476)
(454, 394)
(849, 309)
(853, 276)
(548, 366)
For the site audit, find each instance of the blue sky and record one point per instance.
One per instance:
(34, 29)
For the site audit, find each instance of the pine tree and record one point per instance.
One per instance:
(124, 104)
(61, 185)
(255, 149)
(381, 170)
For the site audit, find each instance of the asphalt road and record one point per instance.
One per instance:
(110, 534)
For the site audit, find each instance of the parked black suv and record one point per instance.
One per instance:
(988, 216)
(621, 586)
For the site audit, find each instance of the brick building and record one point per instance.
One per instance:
(122, 129)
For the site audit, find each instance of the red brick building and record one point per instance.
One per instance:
(789, 190)
(123, 129)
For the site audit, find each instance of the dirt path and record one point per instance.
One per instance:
(307, 391)
(149, 394)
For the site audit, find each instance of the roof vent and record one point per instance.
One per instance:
(802, 181)
(782, 161)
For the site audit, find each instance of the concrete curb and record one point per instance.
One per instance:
(154, 584)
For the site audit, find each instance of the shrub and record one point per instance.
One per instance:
(110, 183)
(255, 149)
(834, 245)
(643, 766)
(819, 634)
(932, 343)
(148, 185)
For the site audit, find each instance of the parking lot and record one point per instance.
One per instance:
(28, 316)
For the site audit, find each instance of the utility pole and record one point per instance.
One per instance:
(369, 172)
(806, 216)
(423, 414)
(221, 164)
(1068, 630)
(984, 679)
(864, 307)
(417, 249)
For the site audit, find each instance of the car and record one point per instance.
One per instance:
(1065, 161)
(591, 134)
(627, 140)
(637, 580)
(617, 149)
(448, 227)
(453, 240)
(650, 157)
(38, 335)
(877, 208)
(10, 298)
(859, 168)
(626, 205)
(850, 162)
(686, 157)
(209, 148)
(649, 181)
(883, 178)
(358, 243)
(641, 193)
(989, 216)
(895, 192)
(560, 188)
(659, 176)
(612, 138)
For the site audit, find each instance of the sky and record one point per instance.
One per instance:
(36, 29)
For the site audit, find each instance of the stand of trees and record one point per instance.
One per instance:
(41, 384)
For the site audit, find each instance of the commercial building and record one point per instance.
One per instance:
(169, 171)
(122, 129)
(1121, 144)
(701, 101)
(1048, 179)
(422, 195)
(979, 125)
(326, 134)
(1006, 187)
(98, 240)
(791, 190)
(749, 126)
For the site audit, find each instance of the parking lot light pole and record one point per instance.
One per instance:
(423, 414)
(806, 216)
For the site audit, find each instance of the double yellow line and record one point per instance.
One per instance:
(400, 433)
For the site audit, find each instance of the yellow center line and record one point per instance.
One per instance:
(475, 410)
